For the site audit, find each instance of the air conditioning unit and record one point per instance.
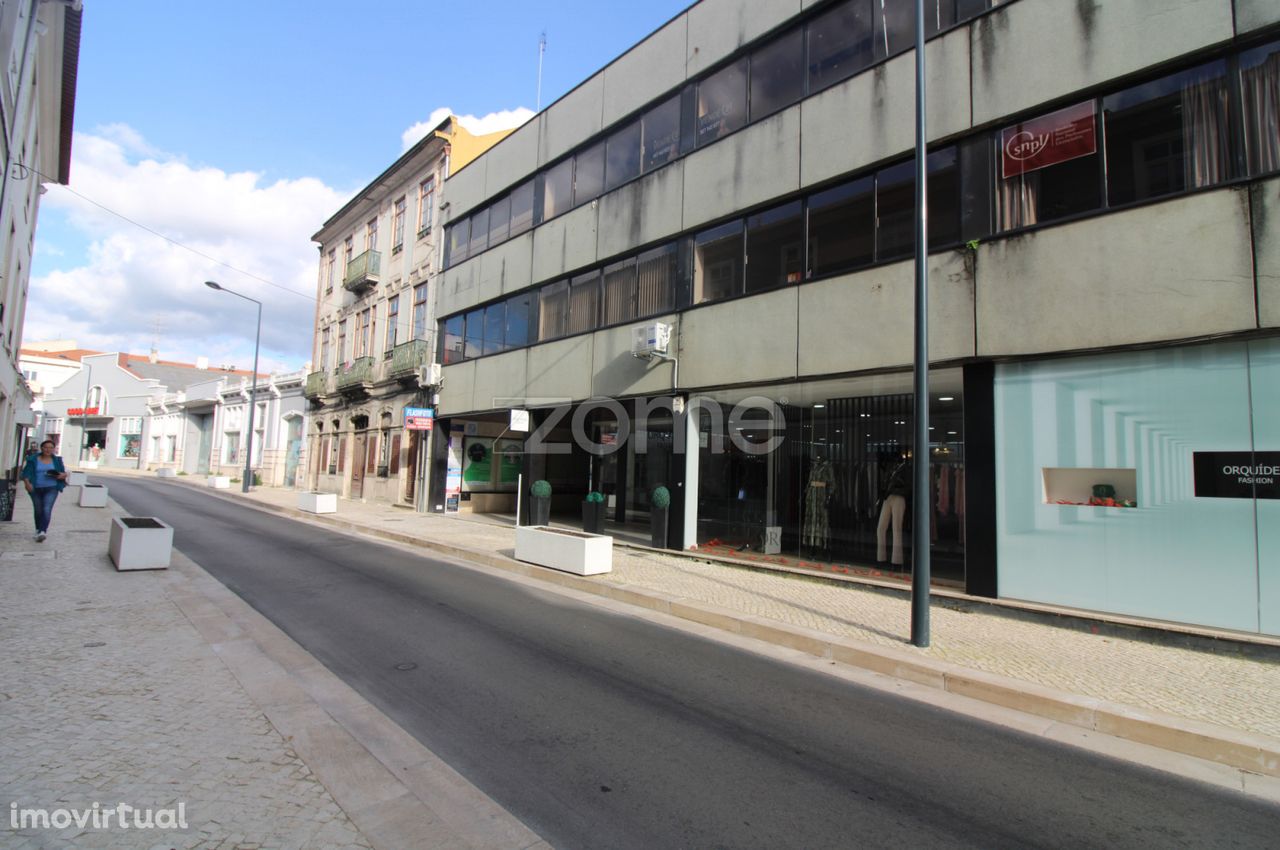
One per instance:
(648, 340)
(429, 375)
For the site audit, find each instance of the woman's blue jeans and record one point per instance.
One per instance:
(43, 499)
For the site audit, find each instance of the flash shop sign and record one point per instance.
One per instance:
(1237, 475)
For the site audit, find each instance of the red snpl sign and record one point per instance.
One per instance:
(1048, 140)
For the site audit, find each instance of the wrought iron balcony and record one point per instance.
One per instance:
(358, 375)
(407, 357)
(317, 385)
(363, 271)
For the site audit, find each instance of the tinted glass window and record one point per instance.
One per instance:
(584, 303)
(588, 181)
(479, 232)
(895, 211)
(840, 43)
(620, 292)
(1168, 135)
(459, 240)
(522, 209)
(495, 326)
(557, 189)
(499, 221)
(622, 156)
(657, 271)
(842, 227)
(894, 26)
(451, 340)
(777, 74)
(943, 187)
(717, 262)
(519, 314)
(553, 310)
(474, 346)
(1260, 90)
(661, 127)
(722, 102)
(775, 247)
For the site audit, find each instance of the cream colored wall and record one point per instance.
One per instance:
(1265, 219)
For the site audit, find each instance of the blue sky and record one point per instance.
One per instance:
(238, 127)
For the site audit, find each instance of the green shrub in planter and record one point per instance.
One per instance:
(540, 507)
(593, 513)
(660, 498)
(541, 489)
(659, 502)
(595, 497)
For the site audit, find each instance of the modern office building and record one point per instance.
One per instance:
(1104, 192)
(375, 321)
(40, 42)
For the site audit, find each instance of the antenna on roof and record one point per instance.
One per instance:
(542, 50)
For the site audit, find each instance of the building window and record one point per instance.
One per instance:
(348, 253)
(775, 247)
(426, 203)
(842, 227)
(324, 350)
(1260, 89)
(371, 235)
(96, 403)
(451, 345)
(553, 310)
(722, 102)
(841, 43)
(622, 156)
(459, 239)
(1168, 135)
(330, 269)
(500, 221)
(584, 302)
(171, 448)
(557, 189)
(393, 321)
(130, 443)
(341, 353)
(230, 447)
(894, 26)
(518, 331)
(479, 233)
(420, 311)
(474, 340)
(362, 334)
(495, 326)
(777, 74)
(620, 292)
(661, 130)
(1049, 167)
(397, 226)
(522, 209)
(588, 174)
(657, 271)
(717, 262)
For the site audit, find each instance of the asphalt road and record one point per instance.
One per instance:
(606, 731)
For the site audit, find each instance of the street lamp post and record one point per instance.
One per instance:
(920, 561)
(253, 392)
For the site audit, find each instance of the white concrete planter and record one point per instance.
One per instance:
(318, 503)
(93, 496)
(76, 479)
(166, 472)
(561, 549)
(219, 482)
(140, 543)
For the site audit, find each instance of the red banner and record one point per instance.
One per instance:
(1048, 140)
(82, 411)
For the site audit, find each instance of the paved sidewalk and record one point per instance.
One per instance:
(162, 689)
(1217, 705)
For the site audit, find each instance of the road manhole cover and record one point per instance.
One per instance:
(408, 665)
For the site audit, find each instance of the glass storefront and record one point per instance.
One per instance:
(837, 488)
(1143, 483)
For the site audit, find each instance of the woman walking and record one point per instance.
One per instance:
(44, 477)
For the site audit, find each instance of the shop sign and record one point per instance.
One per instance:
(419, 418)
(82, 411)
(519, 420)
(1236, 475)
(1048, 140)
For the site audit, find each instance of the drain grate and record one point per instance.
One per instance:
(44, 555)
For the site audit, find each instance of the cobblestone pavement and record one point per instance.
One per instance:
(1234, 691)
(108, 695)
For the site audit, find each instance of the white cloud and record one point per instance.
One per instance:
(507, 119)
(136, 289)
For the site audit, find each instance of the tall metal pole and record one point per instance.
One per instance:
(920, 571)
(253, 404)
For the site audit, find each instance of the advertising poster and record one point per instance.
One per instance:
(510, 459)
(477, 463)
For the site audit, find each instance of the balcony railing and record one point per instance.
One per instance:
(407, 357)
(317, 385)
(363, 271)
(358, 374)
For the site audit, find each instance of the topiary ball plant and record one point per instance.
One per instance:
(660, 498)
(595, 497)
(541, 489)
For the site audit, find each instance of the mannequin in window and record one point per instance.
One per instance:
(893, 509)
(817, 524)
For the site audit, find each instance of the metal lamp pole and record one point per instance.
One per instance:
(920, 567)
(253, 392)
